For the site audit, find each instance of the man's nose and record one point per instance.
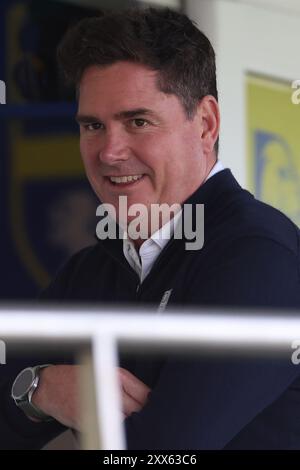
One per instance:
(114, 148)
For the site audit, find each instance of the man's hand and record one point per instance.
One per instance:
(58, 393)
(134, 392)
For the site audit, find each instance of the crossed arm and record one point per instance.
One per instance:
(196, 404)
(58, 395)
(201, 403)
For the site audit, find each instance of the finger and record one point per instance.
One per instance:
(129, 405)
(134, 386)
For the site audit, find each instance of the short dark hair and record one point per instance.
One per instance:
(162, 39)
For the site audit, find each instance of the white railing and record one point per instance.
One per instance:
(99, 334)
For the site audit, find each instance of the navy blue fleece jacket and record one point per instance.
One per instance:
(250, 258)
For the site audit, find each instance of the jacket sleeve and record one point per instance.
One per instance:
(203, 403)
(16, 430)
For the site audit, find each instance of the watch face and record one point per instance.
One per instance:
(23, 383)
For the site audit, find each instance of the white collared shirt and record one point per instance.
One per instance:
(150, 249)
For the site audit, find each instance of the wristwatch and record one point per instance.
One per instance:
(23, 388)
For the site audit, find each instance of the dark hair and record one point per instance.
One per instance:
(162, 39)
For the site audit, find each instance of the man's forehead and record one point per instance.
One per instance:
(123, 86)
(119, 75)
(124, 90)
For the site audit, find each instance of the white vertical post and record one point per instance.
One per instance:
(108, 396)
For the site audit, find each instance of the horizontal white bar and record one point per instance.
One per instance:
(65, 325)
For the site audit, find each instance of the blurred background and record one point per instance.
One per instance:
(47, 209)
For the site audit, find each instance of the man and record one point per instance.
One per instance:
(149, 123)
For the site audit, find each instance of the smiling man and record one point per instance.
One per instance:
(149, 123)
(137, 141)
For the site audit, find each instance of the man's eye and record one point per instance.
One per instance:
(94, 126)
(139, 122)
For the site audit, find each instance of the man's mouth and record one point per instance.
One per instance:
(124, 179)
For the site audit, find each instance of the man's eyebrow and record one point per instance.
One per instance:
(82, 118)
(131, 113)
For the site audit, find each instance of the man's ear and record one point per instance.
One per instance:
(209, 116)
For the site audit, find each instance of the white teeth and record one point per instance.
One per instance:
(124, 179)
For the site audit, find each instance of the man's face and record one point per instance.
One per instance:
(128, 128)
